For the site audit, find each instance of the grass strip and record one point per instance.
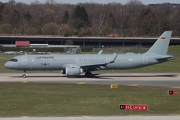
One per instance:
(41, 99)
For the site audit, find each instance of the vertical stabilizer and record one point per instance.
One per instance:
(162, 44)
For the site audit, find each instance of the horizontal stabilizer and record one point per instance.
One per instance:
(165, 58)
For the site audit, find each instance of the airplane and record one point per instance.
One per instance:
(76, 64)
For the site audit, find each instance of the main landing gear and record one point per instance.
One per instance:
(24, 74)
(89, 74)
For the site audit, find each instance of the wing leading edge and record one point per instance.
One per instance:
(98, 65)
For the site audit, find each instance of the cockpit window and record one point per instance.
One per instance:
(14, 60)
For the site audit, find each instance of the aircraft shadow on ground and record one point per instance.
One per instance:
(97, 76)
(139, 76)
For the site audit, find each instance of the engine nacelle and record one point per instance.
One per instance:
(73, 71)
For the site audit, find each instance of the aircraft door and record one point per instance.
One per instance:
(24, 60)
(145, 59)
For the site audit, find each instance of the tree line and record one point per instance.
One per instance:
(88, 19)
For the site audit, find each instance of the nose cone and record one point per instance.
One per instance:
(7, 65)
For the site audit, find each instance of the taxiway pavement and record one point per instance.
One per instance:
(129, 79)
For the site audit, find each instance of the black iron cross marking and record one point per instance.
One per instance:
(44, 64)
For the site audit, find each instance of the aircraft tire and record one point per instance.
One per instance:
(89, 74)
(24, 75)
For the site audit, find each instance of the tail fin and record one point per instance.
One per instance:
(161, 45)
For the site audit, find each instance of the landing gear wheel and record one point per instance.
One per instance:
(24, 75)
(89, 74)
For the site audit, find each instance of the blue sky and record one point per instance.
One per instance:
(99, 1)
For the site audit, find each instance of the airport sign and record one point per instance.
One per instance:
(139, 107)
(172, 92)
(125, 107)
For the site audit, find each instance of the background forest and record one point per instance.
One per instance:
(88, 19)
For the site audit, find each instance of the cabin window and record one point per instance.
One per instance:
(14, 60)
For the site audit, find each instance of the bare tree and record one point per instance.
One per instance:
(134, 2)
(100, 23)
(134, 8)
(130, 19)
(174, 21)
(50, 2)
(121, 17)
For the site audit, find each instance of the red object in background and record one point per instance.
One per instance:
(173, 92)
(22, 43)
(139, 107)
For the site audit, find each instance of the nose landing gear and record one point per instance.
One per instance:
(24, 74)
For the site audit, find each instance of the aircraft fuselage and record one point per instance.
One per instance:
(58, 62)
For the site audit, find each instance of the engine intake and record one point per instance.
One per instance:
(73, 71)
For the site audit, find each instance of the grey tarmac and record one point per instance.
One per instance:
(129, 79)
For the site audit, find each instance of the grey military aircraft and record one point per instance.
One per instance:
(74, 65)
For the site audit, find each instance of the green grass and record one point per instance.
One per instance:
(40, 99)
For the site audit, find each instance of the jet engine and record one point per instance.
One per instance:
(73, 71)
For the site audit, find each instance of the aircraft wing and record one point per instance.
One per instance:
(98, 65)
(93, 65)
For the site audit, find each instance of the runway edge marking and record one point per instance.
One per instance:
(81, 83)
(178, 87)
(132, 85)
